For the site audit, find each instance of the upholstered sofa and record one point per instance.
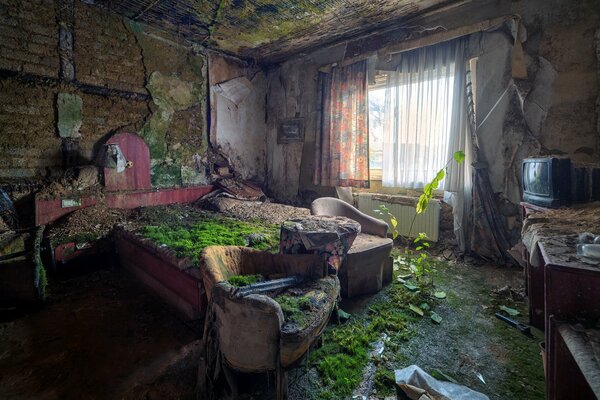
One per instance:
(368, 265)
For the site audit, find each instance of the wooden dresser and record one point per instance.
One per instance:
(564, 297)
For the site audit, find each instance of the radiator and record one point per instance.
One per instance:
(404, 209)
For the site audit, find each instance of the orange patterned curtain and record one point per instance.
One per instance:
(342, 148)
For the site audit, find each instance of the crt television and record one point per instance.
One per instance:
(547, 181)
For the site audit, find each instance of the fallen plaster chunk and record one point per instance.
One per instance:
(235, 90)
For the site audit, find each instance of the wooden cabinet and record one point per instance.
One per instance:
(564, 299)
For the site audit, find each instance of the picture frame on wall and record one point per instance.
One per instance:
(291, 130)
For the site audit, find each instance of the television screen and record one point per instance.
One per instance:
(536, 178)
(547, 181)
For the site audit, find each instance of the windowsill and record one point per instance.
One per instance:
(377, 187)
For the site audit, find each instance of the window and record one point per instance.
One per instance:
(376, 120)
(413, 118)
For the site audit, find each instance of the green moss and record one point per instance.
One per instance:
(523, 355)
(244, 280)
(294, 308)
(165, 175)
(342, 359)
(266, 22)
(69, 115)
(171, 94)
(41, 278)
(384, 382)
(154, 133)
(189, 241)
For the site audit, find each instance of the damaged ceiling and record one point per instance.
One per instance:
(269, 30)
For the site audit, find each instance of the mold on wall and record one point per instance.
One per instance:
(567, 42)
(293, 92)
(69, 115)
(238, 130)
(171, 95)
(552, 111)
(176, 130)
(66, 94)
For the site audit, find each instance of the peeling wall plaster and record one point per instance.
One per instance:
(554, 110)
(54, 117)
(238, 132)
(176, 129)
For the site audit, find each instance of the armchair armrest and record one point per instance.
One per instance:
(331, 206)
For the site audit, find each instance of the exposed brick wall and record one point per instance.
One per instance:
(106, 52)
(29, 37)
(103, 115)
(112, 65)
(28, 142)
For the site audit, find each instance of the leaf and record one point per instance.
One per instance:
(394, 222)
(439, 177)
(411, 287)
(510, 311)
(440, 294)
(419, 248)
(416, 309)
(343, 315)
(435, 317)
(459, 156)
(382, 208)
(407, 276)
(440, 376)
(424, 306)
(422, 204)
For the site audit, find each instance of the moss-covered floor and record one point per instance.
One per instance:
(470, 345)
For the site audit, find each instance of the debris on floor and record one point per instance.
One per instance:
(247, 210)
(416, 384)
(86, 224)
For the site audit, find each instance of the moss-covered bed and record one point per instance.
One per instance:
(184, 229)
(187, 231)
(188, 241)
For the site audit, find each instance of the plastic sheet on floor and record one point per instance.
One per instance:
(416, 384)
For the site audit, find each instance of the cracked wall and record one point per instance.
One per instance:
(553, 111)
(238, 130)
(63, 95)
(176, 129)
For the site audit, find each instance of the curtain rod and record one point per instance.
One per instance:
(450, 34)
(427, 40)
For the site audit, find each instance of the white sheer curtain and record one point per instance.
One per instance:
(421, 127)
(426, 122)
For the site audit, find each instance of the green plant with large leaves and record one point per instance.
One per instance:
(418, 260)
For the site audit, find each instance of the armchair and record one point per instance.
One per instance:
(368, 265)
